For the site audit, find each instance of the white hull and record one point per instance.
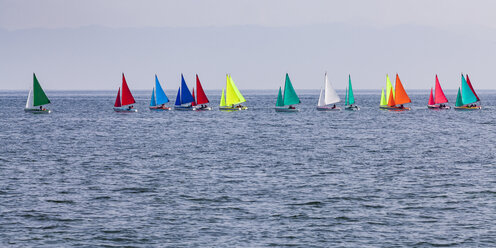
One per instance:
(202, 109)
(37, 111)
(116, 109)
(327, 108)
(283, 109)
(437, 107)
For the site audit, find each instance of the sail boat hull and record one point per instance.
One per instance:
(286, 109)
(37, 111)
(328, 108)
(352, 108)
(160, 108)
(396, 108)
(468, 108)
(184, 108)
(233, 108)
(199, 108)
(125, 109)
(438, 107)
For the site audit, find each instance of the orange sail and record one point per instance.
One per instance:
(400, 97)
(391, 99)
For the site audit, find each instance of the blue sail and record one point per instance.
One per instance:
(153, 103)
(186, 96)
(161, 97)
(178, 97)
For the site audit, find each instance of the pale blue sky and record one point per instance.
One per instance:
(87, 44)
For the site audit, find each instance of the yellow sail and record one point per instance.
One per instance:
(383, 99)
(231, 96)
(223, 99)
(238, 93)
(389, 86)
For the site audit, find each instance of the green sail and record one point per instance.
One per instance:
(290, 96)
(468, 96)
(280, 101)
(459, 102)
(223, 99)
(351, 97)
(39, 97)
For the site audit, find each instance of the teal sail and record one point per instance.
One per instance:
(346, 97)
(161, 98)
(351, 97)
(459, 102)
(280, 101)
(468, 96)
(153, 102)
(290, 96)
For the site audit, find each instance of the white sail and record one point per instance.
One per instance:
(330, 94)
(321, 99)
(29, 102)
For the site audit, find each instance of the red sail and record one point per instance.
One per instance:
(440, 97)
(194, 101)
(431, 99)
(118, 99)
(470, 85)
(391, 99)
(201, 97)
(127, 97)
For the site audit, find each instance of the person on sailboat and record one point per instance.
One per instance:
(401, 106)
(291, 107)
(334, 106)
(41, 107)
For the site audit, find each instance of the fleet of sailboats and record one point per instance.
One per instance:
(36, 99)
(158, 99)
(466, 98)
(285, 102)
(124, 100)
(395, 97)
(184, 99)
(232, 98)
(328, 96)
(438, 100)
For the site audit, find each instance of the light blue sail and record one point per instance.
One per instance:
(161, 97)
(153, 102)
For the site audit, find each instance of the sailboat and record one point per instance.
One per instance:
(124, 100)
(159, 99)
(438, 99)
(389, 91)
(36, 97)
(396, 98)
(201, 99)
(350, 97)
(466, 98)
(288, 99)
(328, 96)
(184, 99)
(232, 99)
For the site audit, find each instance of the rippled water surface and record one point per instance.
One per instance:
(86, 176)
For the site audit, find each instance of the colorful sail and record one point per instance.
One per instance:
(391, 102)
(233, 96)
(290, 96)
(178, 97)
(459, 102)
(126, 98)
(468, 95)
(400, 97)
(440, 97)
(186, 96)
(201, 98)
(194, 101)
(351, 96)
(280, 101)
(331, 96)
(383, 99)
(222, 100)
(472, 88)
(153, 102)
(431, 99)
(39, 96)
(161, 98)
(389, 86)
(238, 93)
(118, 99)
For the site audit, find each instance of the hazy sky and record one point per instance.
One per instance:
(87, 44)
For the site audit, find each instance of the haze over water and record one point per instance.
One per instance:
(86, 176)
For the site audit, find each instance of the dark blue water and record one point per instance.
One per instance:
(85, 176)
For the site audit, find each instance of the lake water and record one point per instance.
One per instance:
(85, 176)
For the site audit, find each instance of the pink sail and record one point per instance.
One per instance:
(440, 97)
(431, 99)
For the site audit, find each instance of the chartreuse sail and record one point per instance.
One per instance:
(389, 87)
(459, 102)
(468, 95)
(383, 98)
(223, 100)
(233, 96)
(280, 101)
(351, 97)
(39, 96)
(290, 96)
